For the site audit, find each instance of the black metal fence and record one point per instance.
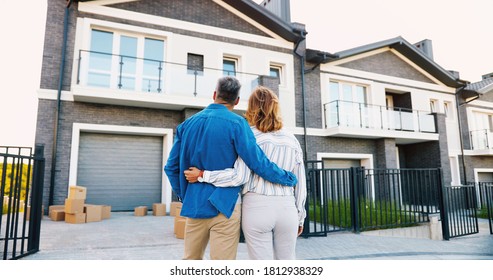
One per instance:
(21, 187)
(486, 202)
(359, 199)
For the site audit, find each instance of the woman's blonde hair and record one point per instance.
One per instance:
(263, 110)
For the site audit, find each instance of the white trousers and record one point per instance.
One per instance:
(270, 226)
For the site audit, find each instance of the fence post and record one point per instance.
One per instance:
(354, 173)
(443, 205)
(36, 199)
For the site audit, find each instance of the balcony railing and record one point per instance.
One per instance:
(360, 115)
(481, 139)
(139, 75)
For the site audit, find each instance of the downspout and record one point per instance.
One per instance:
(302, 72)
(58, 105)
(460, 132)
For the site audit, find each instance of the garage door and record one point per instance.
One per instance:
(123, 171)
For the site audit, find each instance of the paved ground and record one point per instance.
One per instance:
(126, 237)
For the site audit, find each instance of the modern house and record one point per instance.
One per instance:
(118, 76)
(383, 105)
(476, 111)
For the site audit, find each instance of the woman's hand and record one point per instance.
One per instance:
(192, 174)
(300, 230)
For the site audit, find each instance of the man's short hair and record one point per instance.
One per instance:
(228, 89)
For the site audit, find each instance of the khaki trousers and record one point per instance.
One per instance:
(222, 233)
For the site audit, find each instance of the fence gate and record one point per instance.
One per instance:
(486, 202)
(21, 187)
(316, 209)
(459, 217)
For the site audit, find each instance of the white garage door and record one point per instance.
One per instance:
(123, 171)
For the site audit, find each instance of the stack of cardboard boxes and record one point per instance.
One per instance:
(179, 227)
(76, 211)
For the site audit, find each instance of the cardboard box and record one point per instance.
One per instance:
(140, 211)
(175, 208)
(77, 192)
(28, 212)
(106, 212)
(55, 207)
(57, 215)
(179, 229)
(78, 218)
(159, 209)
(94, 213)
(74, 206)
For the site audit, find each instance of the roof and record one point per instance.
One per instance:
(409, 51)
(288, 31)
(483, 86)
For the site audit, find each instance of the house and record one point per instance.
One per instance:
(118, 76)
(383, 105)
(476, 111)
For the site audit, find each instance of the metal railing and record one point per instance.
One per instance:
(21, 186)
(340, 113)
(481, 139)
(140, 75)
(361, 199)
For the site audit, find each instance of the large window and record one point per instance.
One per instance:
(347, 92)
(482, 128)
(347, 105)
(125, 61)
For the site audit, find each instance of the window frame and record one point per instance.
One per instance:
(235, 63)
(280, 71)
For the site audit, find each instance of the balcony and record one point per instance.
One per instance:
(132, 81)
(360, 120)
(481, 142)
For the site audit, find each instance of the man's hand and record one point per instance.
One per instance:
(192, 174)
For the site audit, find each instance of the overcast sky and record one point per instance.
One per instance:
(459, 29)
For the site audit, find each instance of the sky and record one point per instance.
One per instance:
(461, 36)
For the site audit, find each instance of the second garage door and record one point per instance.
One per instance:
(123, 171)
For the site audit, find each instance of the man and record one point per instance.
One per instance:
(212, 140)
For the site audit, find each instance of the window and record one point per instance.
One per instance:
(276, 71)
(125, 61)
(347, 92)
(229, 66)
(347, 105)
(195, 63)
(100, 58)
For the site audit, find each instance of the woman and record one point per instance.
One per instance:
(272, 215)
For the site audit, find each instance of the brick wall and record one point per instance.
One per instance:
(198, 11)
(389, 64)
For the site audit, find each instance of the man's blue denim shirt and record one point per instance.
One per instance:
(212, 140)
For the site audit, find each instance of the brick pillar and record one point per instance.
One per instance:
(386, 153)
(443, 146)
